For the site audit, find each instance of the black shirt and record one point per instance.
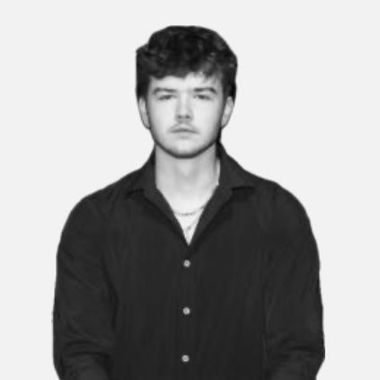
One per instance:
(135, 301)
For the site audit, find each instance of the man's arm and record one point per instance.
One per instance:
(82, 313)
(294, 337)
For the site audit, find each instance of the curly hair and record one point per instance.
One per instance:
(180, 50)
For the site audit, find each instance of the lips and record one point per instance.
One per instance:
(183, 129)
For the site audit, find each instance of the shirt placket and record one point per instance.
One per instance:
(186, 314)
(186, 308)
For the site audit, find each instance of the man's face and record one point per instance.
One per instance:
(184, 115)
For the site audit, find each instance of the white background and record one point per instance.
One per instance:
(306, 116)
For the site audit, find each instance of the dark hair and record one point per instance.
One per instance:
(179, 50)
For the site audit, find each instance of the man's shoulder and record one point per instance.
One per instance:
(274, 200)
(269, 188)
(107, 196)
(265, 188)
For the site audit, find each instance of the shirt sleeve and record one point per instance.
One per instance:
(294, 339)
(82, 312)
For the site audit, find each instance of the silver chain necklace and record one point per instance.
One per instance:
(188, 213)
(189, 227)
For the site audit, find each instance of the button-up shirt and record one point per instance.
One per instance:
(135, 301)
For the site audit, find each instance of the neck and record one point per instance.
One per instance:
(187, 181)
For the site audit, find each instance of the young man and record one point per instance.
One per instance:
(190, 267)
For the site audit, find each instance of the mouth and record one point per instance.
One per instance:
(183, 130)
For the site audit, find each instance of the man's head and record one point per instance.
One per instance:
(185, 61)
(179, 50)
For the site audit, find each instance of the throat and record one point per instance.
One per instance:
(185, 207)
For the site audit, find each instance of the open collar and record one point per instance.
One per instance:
(232, 175)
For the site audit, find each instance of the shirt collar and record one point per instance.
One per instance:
(232, 175)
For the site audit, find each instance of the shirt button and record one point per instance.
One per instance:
(186, 310)
(186, 263)
(185, 358)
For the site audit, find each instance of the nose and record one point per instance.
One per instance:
(183, 109)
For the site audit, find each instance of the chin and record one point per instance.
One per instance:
(185, 150)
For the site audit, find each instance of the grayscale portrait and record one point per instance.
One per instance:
(191, 266)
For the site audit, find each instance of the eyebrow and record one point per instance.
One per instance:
(162, 89)
(203, 89)
(196, 89)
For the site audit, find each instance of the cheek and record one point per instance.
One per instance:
(211, 114)
(160, 115)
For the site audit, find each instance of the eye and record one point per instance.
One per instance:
(203, 97)
(165, 97)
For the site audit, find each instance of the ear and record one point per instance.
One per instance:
(227, 112)
(143, 112)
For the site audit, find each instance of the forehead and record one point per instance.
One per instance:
(191, 80)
